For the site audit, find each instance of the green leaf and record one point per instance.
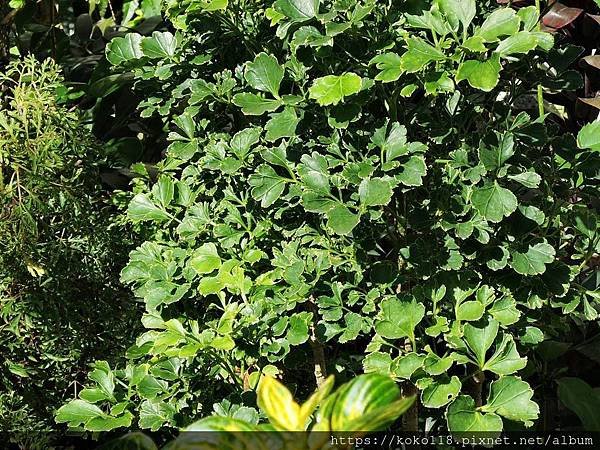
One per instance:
(413, 171)
(341, 219)
(205, 259)
(375, 191)
(256, 105)
(470, 311)
(209, 5)
(267, 185)
(298, 10)
(298, 328)
(399, 317)
(494, 158)
(510, 397)
(164, 191)
(528, 179)
(404, 366)
(463, 10)
(505, 310)
(580, 398)
(141, 208)
(78, 412)
(109, 423)
(494, 202)
(521, 42)
(160, 45)
(534, 261)
(123, 49)
(434, 365)
(419, 54)
(441, 392)
(506, 359)
(390, 65)
(332, 89)
(154, 414)
(264, 74)
(377, 362)
(501, 22)
(479, 337)
(483, 75)
(463, 417)
(281, 125)
(589, 136)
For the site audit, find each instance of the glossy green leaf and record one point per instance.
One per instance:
(479, 337)
(375, 191)
(534, 260)
(501, 22)
(440, 392)
(510, 397)
(399, 317)
(494, 202)
(123, 49)
(462, 417)
(589, 136)
(264, 74)
(141, 208)
(298, 10)
(256, 105)
(159, 45)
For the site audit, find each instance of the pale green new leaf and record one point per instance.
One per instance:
(141, 208)
(332, 89)
(205, 259)
(483, 75)
(413, 171)
(123, 49)
(589, 136)
(390, 65)
(521, 42)
(506, 359)
(78, 412)
(463, 10)
(419, 54)
(281, 125)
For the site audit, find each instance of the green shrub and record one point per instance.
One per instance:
(350, 186)
(59, 254)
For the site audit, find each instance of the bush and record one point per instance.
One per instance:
(59, 254)
(351, 186)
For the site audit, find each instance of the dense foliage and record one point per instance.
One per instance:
(59, 254)
(320, 187)
(354, 184)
